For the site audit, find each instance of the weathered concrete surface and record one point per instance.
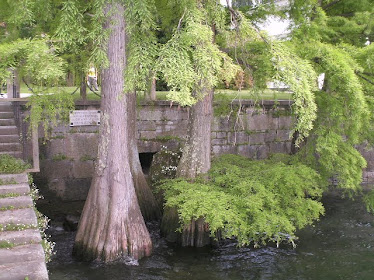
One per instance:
(68, 157)
(34, 270)
(259, 130)
(23, 216)
(21, 188)
(22, 201)
(25, 255)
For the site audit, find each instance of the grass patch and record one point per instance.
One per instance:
(9, 195)
(6, 208)
(12, 165)
(6, 245)
(8, 182)
(87, 158)
(16, 227)
(266, 94)
(59, 157)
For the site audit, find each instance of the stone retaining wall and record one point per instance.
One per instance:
(67, 158)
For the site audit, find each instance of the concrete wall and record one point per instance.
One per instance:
(67, 158)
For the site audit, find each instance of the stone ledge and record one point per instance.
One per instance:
(19, 216)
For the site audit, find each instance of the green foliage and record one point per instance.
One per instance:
(369, 201)
(11, 165)
(50, 109)
(190, 62)
(343, 118)
(300, 76)
(34, 58)
(142, 48)
(255, 201)
(6, 244)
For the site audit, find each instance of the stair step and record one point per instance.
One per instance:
(14, 138)
(23, 237)
(16, 202)
(7, 130)
(10, 147)
(7, 122)
(22, 254)
(13, 154)
(6, 107)
(35, 270)
(19, 178)
(24, 216)
(6, 115)
(22, 189)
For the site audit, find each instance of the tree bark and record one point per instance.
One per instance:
(111, 224)
(147, 202)
(83, 87)
(153, 89)
(195, 160)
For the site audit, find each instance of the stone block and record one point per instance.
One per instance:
(285, 122)
(145, 125)
(370, 165)
(247, 151)
(53, 147)
(279, 147)
(257, 138)
(83, 169)
(76, 189)
(150, 114)
(270, 136)
(283, 135)
(258, 122)
(56, 169)
(149, 146)
(148, 135)
(262, 152)
(221, 134)
(24, 216)
(175, 113)
(273, 123)
(221, 141)
(223, 149)
(238, 138)
(221, 124)
(81, 144)
(57, 187)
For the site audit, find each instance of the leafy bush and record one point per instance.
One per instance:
(254, 201)
(9, 164)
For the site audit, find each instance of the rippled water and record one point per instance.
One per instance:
(339, 246)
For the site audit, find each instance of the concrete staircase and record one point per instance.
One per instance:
(9, 137)
(21, 253)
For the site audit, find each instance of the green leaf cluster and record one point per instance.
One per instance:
(34, 58)
(190, 62)
(255, 201)
(49, 109)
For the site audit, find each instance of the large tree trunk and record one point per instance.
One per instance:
(111, 224)
(195, 160)
(147, 202)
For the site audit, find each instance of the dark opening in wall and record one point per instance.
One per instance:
(146, 161)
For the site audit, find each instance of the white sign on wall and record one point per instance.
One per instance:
(84, 117)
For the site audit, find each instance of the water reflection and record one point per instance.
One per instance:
(338, 247)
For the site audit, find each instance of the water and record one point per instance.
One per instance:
(339, 246)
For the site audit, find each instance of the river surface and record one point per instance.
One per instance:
(339, 246)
